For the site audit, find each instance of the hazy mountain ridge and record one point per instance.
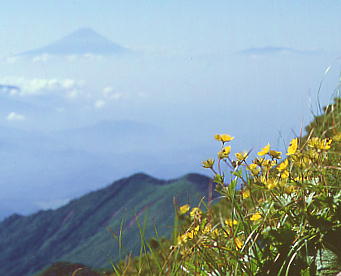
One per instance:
(54, 161)
(77, 232)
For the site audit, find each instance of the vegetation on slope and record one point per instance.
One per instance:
(285, 219)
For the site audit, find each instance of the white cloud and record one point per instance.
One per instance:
(72, 94)
(13, 116)
(109, 93)
(99, 104)
(10, 59)
(41, 86)
(41, 58)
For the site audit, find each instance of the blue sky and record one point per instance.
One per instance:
(176, 25)
(197, 68)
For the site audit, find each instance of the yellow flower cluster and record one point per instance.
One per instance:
(267, 176)
(320, 144)
(204, 233)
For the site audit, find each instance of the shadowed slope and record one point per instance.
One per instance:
(78, 232)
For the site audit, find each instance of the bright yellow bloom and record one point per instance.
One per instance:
(227, 150)
(283, 165)
(256, 216)
(275, 154)
(241, 156)
(264, 150)
(271, 183)
(254, 169)
(224, 153)
(246, 194)
(231, 222)
(293, 147)
(208, 164)
(223, 137)
(184, 209)
(285, 174)
(326, 143)
(238, 243)
(190, 235)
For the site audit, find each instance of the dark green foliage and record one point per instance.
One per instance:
(82, 231)
(68, 269)
(328, 123)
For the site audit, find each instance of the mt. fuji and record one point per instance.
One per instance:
(80, 42)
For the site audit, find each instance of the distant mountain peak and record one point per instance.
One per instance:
(81, 41)
(275, 50)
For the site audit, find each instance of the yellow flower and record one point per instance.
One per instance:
(271, 183)
(182, 239)
(285, 174)
(184, 209)
(256, 216)
(320, 144)
(246, 193)
(223, 137)
(190, 235)
(325, 144)
(264, 150)
(207, 229)
(227, 150)
(208, 163)
(241, 156)
(275, 154)
(238, 243)
(195, 212)
(224, 153)
(293, 147)
(254, 169)
(231, 222)
(314, 142)
(283, 165)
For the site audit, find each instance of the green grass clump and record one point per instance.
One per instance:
(284, 220)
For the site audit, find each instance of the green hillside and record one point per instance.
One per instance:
(285, 219)
(82, 231)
